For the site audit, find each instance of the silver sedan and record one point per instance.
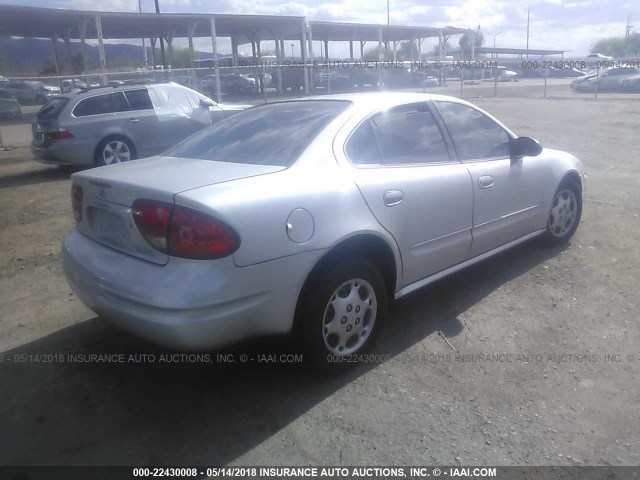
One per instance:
(309, 216)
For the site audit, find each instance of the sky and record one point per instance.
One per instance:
(570, 25)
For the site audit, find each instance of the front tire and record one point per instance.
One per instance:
(342, 311)
(565, 213)
(114, 150)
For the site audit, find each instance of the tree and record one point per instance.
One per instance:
(618, 46)
(445, 48)
(48, 67)
(407, 51)
(465, 41)
(371, 55)
(181, 57)
(77, 63)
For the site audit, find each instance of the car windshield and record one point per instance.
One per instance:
(273, 134)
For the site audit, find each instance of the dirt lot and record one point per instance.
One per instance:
(543, 393)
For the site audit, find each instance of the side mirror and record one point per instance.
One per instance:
(525, 147)
(205, 102)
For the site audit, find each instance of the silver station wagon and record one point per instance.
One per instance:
(107, 125)
(310, 216)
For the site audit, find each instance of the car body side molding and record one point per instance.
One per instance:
(467, 263)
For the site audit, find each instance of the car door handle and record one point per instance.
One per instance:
(485, 181)
(133, 120)
(393, 197)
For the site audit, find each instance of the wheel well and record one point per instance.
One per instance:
(366, 246)
(114, 137)
(572, 177)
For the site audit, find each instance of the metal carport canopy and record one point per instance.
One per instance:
(342, 31)
(35, 22)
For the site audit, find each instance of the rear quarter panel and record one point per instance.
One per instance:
(258, 209)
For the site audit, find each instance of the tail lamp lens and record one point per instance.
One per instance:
(183, 232)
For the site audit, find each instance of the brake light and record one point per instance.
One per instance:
(183, 232)
(152, 220)
(59, 134)
(76, 201)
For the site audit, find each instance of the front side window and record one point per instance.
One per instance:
(139, 99)
(474, 135)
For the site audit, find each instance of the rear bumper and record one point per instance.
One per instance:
(63, 152)
(186, 304)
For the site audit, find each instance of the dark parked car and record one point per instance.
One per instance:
(9, 106)
(229, 83)
(27, 93)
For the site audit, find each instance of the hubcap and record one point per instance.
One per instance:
(116, 152)
(349, 317)
(564, 210)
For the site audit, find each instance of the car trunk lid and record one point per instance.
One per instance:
(109, 193)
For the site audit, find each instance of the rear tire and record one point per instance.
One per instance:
(565, 213)
(114, 150)
(342, 310)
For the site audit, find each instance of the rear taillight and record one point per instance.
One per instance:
(183, 232)
(59, 134)
(76, 201)
(152, 220)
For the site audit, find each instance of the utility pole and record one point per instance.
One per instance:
(144, 46)
(164, 61)
(628, 28)
(527, 34)
(388, 13)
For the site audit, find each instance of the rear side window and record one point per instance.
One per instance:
(474, 135)
(108, 103)
(272, 134)
(362, 146)
(139, 99)
(402, 135)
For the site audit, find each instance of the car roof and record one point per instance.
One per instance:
(380, 100)
(87, 92)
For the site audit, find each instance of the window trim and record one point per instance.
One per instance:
(73, 115)
(437, 120)
(510, 135)
(131, 109)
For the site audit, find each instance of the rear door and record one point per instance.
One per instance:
(413, 187)
(507, 193)
(140, 123)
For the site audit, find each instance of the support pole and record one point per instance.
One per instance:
(303, 50)
(67, 43)
(54, 40)
(103, 60)
(279, 68)
(83, 45)
(380, 57)
(214, 46)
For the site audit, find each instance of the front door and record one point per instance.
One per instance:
(507, 193)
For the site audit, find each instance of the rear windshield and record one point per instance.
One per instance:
(273, 134)
(52, 108)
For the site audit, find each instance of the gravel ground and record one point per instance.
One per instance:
(542, 368)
